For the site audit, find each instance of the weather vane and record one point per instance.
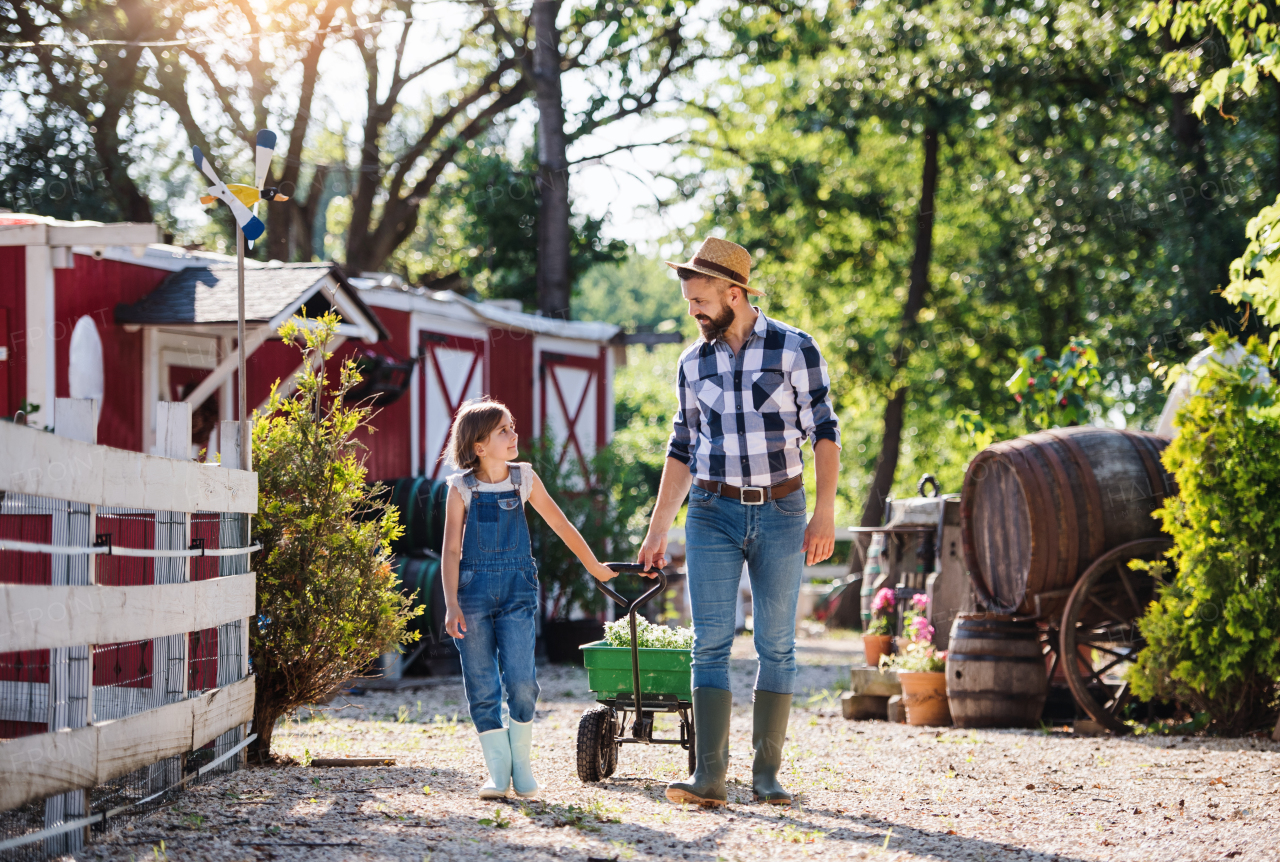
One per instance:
(249, 227)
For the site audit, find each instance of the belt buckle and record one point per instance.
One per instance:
(758, 490)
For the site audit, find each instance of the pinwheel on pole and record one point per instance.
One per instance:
(249, 227)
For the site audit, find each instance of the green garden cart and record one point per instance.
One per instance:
(638, 683)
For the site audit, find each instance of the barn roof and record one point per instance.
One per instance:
(207, 295)
(446, 303)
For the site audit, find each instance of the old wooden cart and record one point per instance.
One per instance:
(1050, 523)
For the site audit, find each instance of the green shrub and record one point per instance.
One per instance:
(610, 518)
(1212, 631)
(328, 600)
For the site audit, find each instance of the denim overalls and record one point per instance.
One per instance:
(498, 595)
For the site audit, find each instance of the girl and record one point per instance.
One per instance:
(491, 584)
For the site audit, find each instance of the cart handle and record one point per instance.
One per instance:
(609, 591)
(636, 568)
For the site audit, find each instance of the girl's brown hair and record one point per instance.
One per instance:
(473, 424)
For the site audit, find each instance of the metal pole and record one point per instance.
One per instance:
(246, 452)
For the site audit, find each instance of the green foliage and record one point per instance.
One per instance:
(916, 657)
(48, 167)
(481, 227)
(1060, 149)
(1252, 39)
(637, 293)
(648, 635)
(1261, 255)
(1061, 392)
(597, 500)
(644, 403)
(1250, 36)
(1213, 632)
(328, 601)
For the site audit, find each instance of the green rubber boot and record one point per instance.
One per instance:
(711, 710)
(768, 733)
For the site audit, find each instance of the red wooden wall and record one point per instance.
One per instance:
(273, 361)
(13, 304)
(390, 447)
(94, 288)
(511, 376)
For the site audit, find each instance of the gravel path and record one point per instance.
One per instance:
(868, 790)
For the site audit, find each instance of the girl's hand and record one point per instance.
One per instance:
(454, 624)
(601, 572)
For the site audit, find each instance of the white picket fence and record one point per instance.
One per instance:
(101, 733)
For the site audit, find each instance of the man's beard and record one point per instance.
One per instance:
(714, 328)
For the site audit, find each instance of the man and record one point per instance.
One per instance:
(751, 391)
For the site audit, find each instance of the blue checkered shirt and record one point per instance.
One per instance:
(743, 418)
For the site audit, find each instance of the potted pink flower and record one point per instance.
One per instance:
(877, 638)
(916, 627)
(920, 668)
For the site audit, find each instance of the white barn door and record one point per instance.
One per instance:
(452, 372)
(571, 405)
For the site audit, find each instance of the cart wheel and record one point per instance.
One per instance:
(597, 750)
(1100, 629)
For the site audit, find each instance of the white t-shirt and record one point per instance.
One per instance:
(526, 484)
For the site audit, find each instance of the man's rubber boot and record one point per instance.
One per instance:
(496, 746)
(711, 710)
(768, 733)
(522, 779)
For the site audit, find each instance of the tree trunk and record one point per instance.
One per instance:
(894, 411)
(264, 724)
(553, 165)
(1275, 83)
(886, 461)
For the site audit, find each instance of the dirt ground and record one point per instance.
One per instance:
(866, 790)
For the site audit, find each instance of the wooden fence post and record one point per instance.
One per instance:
(233, 637)
(169, 653)
(70, 695)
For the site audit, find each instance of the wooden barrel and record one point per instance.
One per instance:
(995, 672)
(1035, 511)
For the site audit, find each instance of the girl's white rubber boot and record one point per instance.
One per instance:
(496, 746)
(521, 754)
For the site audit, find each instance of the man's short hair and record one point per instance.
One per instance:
(686, 274)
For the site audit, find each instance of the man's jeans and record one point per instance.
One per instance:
(719, 535)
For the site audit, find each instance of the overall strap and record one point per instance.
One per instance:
(469, 479)
(514, 470)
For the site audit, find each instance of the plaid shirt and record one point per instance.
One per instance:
(743, 418)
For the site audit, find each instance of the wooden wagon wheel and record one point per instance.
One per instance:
(1100, 630)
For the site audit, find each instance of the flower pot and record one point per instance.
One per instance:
(925, 697)
(875, 646)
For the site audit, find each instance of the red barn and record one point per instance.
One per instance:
(556, 374)
(104, 311)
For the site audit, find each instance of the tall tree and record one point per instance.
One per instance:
(553, 165)
(1052, 212)
(93, 71)
(479, 230)
(629, 57)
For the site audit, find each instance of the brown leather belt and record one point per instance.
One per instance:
(751, 495)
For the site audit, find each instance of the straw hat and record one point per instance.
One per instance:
(720, 258)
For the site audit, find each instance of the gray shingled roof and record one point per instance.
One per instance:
(207, 294)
